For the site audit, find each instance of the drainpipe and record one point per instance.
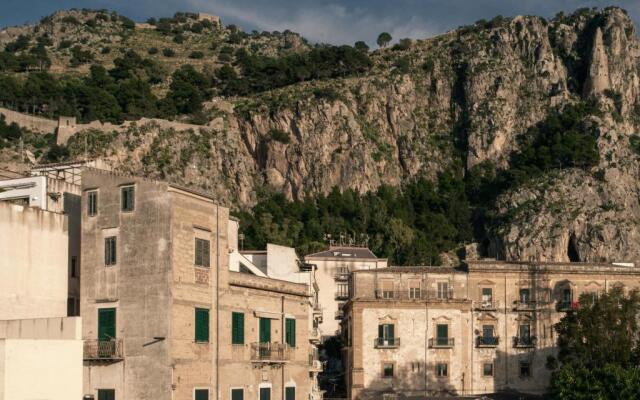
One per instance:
(284, 340)
(217, 302)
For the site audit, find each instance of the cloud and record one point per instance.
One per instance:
(330, 23)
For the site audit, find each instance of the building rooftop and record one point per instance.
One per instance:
(341, 252)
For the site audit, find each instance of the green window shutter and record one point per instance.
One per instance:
(265, 330)
(106, 394)
(442, 331)
(380, 331)
(202, 325)
(237, 328)
(106, 323)
(290, 335)
(265, 393)
(390, 331)
(201, 394)
(202, 253)
(237, 394)
(290, 393)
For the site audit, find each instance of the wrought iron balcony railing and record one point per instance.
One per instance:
(103, 350)
(487, 341)
(270, 352)
(487, 305)
(441, 342)
(527, 305)
(524, 341)
(386, 343)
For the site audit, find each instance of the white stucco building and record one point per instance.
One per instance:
(41, 359)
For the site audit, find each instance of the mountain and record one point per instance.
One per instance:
(537, 118)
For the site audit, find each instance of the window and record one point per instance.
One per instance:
(290, 332)
(342, 290)
(524, 333)
(237, 328)
(442, 335)
(202, 325)
(110, 250)
(74, 266)
(415, 367)
(387, 289)
(202, 253)
(92, 203)
(441, 370)
(106, 324)
(443, 290)
(487, 369)
(525, 296)
(487, 296)
(265, 393)
(237, 394)
(387, 370)
(414, 289)
(127, 198)
(265, 330)
(487, 331)
(525, 368)
(201, 394)
(290, 393)
(566, 295)
(386, 335)
(106, 394)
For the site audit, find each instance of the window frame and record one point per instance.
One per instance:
(392, 366)
(237, 332)
(198, 333)
(484, 369)
(112, 250)
(443, 290)
(131, 204)
(92, 203)
(289, 387)
(202, 253)
(73, 273)
(521, 363)
(231, 390)
(290, 332)
(442, 370)
(197, 389)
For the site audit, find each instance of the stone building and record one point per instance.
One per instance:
(332, 276)
(483, 328)
(166, 318)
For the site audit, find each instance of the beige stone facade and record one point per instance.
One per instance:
(483, 328)
(168, 286)
(332, 276)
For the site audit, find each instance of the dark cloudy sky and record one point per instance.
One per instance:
(322, 21)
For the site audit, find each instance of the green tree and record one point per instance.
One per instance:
(599, 349)
(383, 39)
(361, 46)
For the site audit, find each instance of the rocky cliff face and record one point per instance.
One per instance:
(446, 103)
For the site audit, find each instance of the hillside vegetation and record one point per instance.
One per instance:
(515, 138)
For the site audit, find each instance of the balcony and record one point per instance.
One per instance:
(487, 305)
(441, 343)
(524, 341)
(566, 305)
(270, 352)
(315, 365)
(387, 294)
(487, 341)
(317, 312)
(339, 314)
(525, 305)
(103, 350)
(341, 273)
(314, 336)
(386, 343)
(441, 295)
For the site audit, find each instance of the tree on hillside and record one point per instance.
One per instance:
(599, 349)
(383, 39)
(360, 45)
